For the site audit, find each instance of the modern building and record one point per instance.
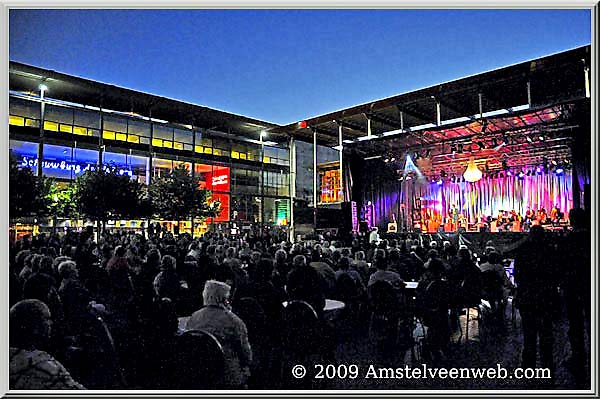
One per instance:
(62, 125)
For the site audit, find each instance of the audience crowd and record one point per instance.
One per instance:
(103, 314)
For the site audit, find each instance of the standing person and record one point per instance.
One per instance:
(536, 281)
(576, 287)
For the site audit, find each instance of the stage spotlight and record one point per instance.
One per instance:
(539, 170)
(386, 160)
(559, 170)
(440, 181)
(542, 138)
(509, 172)
(393, 159)
(553, 162)
(521, 174)
(529, 139)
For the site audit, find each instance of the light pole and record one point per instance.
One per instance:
(43, 89)
(263, 134)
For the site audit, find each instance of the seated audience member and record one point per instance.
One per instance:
(305, 284)
(167, 283)
(324, 270)
(30, 367)
(217, 319)
(360, 265)
(494, 265)
(382, 274)
(345, 269)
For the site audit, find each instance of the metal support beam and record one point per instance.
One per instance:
(480, 95)
(529, 93)
(438, 112)
(586, 72)
(341, 151)
(315, 179)
(369, 131)
(292, 184)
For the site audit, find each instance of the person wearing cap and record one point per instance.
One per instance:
(231, 332)
(30, 367)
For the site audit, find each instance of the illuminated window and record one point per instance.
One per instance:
(132, 138)
(108, 135)
(32, 123)
(242, 156)
(331, 185)
(66, 128)
(178, 146)
(157, 142)
(81, 131)
(266, 160)
(52, 126)
(235, 155)
(121, 136)
(16, 120)
(167, 144)
(216, 151)
(208, 150)
(199, 149)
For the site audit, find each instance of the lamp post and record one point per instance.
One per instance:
(263, 134)
(43, 89)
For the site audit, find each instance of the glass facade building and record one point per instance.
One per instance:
(250, 177)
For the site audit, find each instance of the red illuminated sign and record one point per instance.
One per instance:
(218, 180)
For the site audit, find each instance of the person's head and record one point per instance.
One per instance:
(193, 246)
(344, 263)
(120, 251)
(464, 253)
(230, 252)
(153, 256)
(67, 270)
(432, 254)
(280, 256)
(299, 261)
(578, 218)
(264, 271)
(168, 263)
(380, 264)
(359, 256)
(379, 254)
(435, 266)
(29, 324)
(493, 258)
(216, 293)
(433, 244)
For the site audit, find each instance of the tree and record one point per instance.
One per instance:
(27, 193)
(103, 194)
(61, 200)
(177, 196)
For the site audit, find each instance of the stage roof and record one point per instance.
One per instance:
(27, 78)
(550, 80)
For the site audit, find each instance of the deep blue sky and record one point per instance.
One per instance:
(287, 65)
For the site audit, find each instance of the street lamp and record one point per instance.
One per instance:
(263, 134)
(43, 89)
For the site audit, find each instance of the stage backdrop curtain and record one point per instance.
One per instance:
(488, 196)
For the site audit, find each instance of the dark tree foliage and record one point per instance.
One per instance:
(27, 193)
(177, 196)
(103, 194)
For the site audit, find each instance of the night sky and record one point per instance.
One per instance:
(287, 65)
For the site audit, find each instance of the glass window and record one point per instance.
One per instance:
(183, 136)
(87, 119)
(163, 132)
(139, 128)
(24, 108)
(115, 124)
(59, 114)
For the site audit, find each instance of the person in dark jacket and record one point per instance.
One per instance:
(536, 280)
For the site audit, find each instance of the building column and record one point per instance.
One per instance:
(315, 179)
(40, 156)
(341, 151)
(150, 150)
(292, 185)
(101, 146)
(193, 171)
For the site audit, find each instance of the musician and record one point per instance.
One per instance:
(555, 215)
